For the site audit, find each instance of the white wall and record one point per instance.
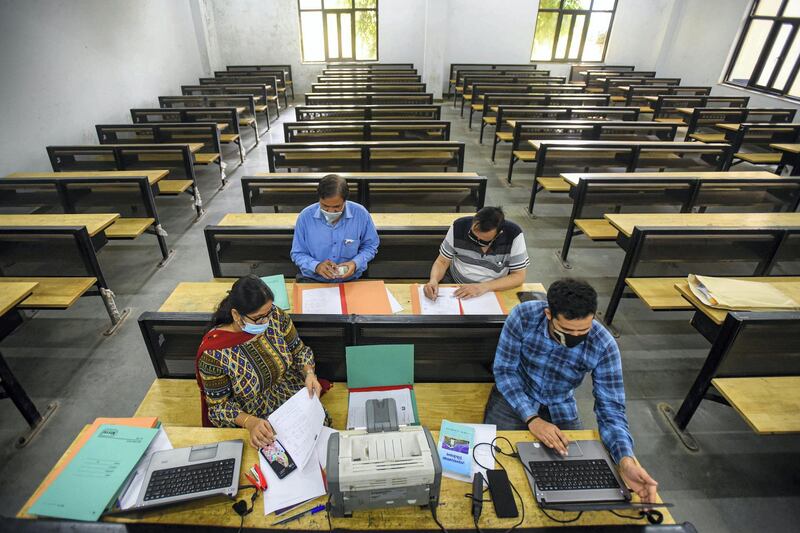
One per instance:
(638, 32)
(70, 64)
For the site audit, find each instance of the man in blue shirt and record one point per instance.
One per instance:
(544, 352)
(333, 239)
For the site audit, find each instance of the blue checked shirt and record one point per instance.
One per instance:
(533, 370)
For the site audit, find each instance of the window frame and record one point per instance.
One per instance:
(574, 12)
(777, 20)
(338, 11)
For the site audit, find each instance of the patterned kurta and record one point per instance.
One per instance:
(256, 376)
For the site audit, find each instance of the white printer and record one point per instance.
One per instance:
(382, 466)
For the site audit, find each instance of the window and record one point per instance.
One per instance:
(339, 30)
(572, 30)
(766, 57)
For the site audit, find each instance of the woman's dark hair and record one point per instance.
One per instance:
(489, 218)
(248, 294)
(571, 298)
(331, 186)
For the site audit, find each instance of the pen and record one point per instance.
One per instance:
(313, 510)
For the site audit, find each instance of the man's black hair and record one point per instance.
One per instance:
(331, 186)
(489, 218)
(572, 299)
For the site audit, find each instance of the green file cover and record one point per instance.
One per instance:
(277, 284)
(94, 477)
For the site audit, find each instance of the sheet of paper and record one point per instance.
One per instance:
(324, 301)
(483, 453)
(485, 304)
(131, 494)
(357, 406)
(445, 304)
(297, 424)
(322, 445)
(299, 486)
(396, 307)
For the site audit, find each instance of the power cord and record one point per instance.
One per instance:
(495, 449)
(241, 507)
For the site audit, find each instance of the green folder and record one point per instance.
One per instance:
(89, 484)
(277, 285)
(381, 365)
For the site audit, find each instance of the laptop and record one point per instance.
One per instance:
(584, 477)
(183, 474)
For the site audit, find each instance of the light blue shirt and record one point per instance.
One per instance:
(352, 238)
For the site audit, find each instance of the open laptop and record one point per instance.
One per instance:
(183, 474)
(584, 477)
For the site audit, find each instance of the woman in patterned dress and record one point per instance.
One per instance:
(251, 361)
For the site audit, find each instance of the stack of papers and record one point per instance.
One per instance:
(355, 297)
(357, 406)
(446, 303)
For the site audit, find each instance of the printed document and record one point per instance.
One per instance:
(297, 424)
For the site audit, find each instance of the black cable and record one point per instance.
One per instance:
(328, 512)
(435, 519)
(641, 515)
(495, 450)
(241, 508)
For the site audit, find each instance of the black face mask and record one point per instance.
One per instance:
(480, 242)
(565, 339)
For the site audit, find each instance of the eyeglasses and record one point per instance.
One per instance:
(261, 319)
(474, 238)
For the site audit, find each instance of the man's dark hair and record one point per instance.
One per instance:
(489, 218)
(331, 186)
(571, 298)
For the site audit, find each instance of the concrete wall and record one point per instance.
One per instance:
(70, 64)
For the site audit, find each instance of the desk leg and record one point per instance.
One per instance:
(13, 390)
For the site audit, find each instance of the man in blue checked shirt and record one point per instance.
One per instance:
(545, 351)
(334, 239)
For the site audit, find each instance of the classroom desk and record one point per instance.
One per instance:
(535, 143)
(153, 176)
(204, 296)
(688, 111)
(453, 511)
(790, 155)
(12, 293)
(95, 223)
(574, 177)
(381, 220)
(319, 175)
(626, 222)
(727, 126)
(193, 147)
(769, 405)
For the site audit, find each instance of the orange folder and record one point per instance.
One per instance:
(358, 297)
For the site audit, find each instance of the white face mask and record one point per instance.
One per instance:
(331, 216)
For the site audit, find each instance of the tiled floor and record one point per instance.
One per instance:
(737, 482)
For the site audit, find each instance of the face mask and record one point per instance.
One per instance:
(254, 329)
(565, 339)
(331, 217)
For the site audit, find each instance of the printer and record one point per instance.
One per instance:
(382, 466)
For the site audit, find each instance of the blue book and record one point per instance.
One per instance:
(455, 448)
(91, 481)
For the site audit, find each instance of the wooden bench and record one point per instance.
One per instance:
(644, 96)
(368, 112)
(459, 69)
(131, 195)
(367, 156)
(594, 77)
(759, 135)
(288, 81)
(275, 78)
(613, 85)
(369, 87)
(363, 98)
(702, 119)
(263, 94)
(245, 104)
(366, 130)
(578, 72)
(177, 158)
(555, 95)
(369, 78)
(376, 192)
(176, 402)
(477, 90)
(667, 108)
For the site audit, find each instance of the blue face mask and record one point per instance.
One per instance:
(254, 329)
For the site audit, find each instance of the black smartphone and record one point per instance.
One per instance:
(279, 459)
(528, 296)
(502, 498)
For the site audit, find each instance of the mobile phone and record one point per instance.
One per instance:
(279, 459)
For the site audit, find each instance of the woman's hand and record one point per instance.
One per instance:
(312, 384)
(261, 432)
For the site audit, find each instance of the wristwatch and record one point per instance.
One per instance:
(531, 419)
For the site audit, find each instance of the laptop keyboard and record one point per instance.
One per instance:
(573, 475)
(191, 479)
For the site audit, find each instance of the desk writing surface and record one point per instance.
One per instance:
(380, 219)
(788, 284)
(626, 222)
(453, 511)
(204, 297)
(153, 176)
(769, 405)
(791, 148)
(94, 222)
(535, 143)
(727, 126)
(318, 175)
(574, 177)
(12, 293)
(193, 147)
(689, 111)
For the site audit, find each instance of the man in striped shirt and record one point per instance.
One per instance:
(481, 253)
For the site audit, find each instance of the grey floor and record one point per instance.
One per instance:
(737, 482)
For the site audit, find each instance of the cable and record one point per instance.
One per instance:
(435, 519)
(495, 450)
(241, 508)
(328, 512)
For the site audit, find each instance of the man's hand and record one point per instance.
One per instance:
(471, 291)
(326, 269)
(431, 290)
(637, 479)
(549, 434)
(351, 269)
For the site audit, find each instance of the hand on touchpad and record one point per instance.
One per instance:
(573, 450)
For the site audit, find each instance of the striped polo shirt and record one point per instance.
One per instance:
(468, 263)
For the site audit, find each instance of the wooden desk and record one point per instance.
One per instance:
(727, 126)
(153, 176)
(688, 111)
(453, 511)
(574, 177)
(381, 220)
(535, 143)
(789, 285)
(789, 148)
(318, 175)
(94, 222)
(626, 222)
(193, 147)
(203, 297)
(12, 293)
(769, 405)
